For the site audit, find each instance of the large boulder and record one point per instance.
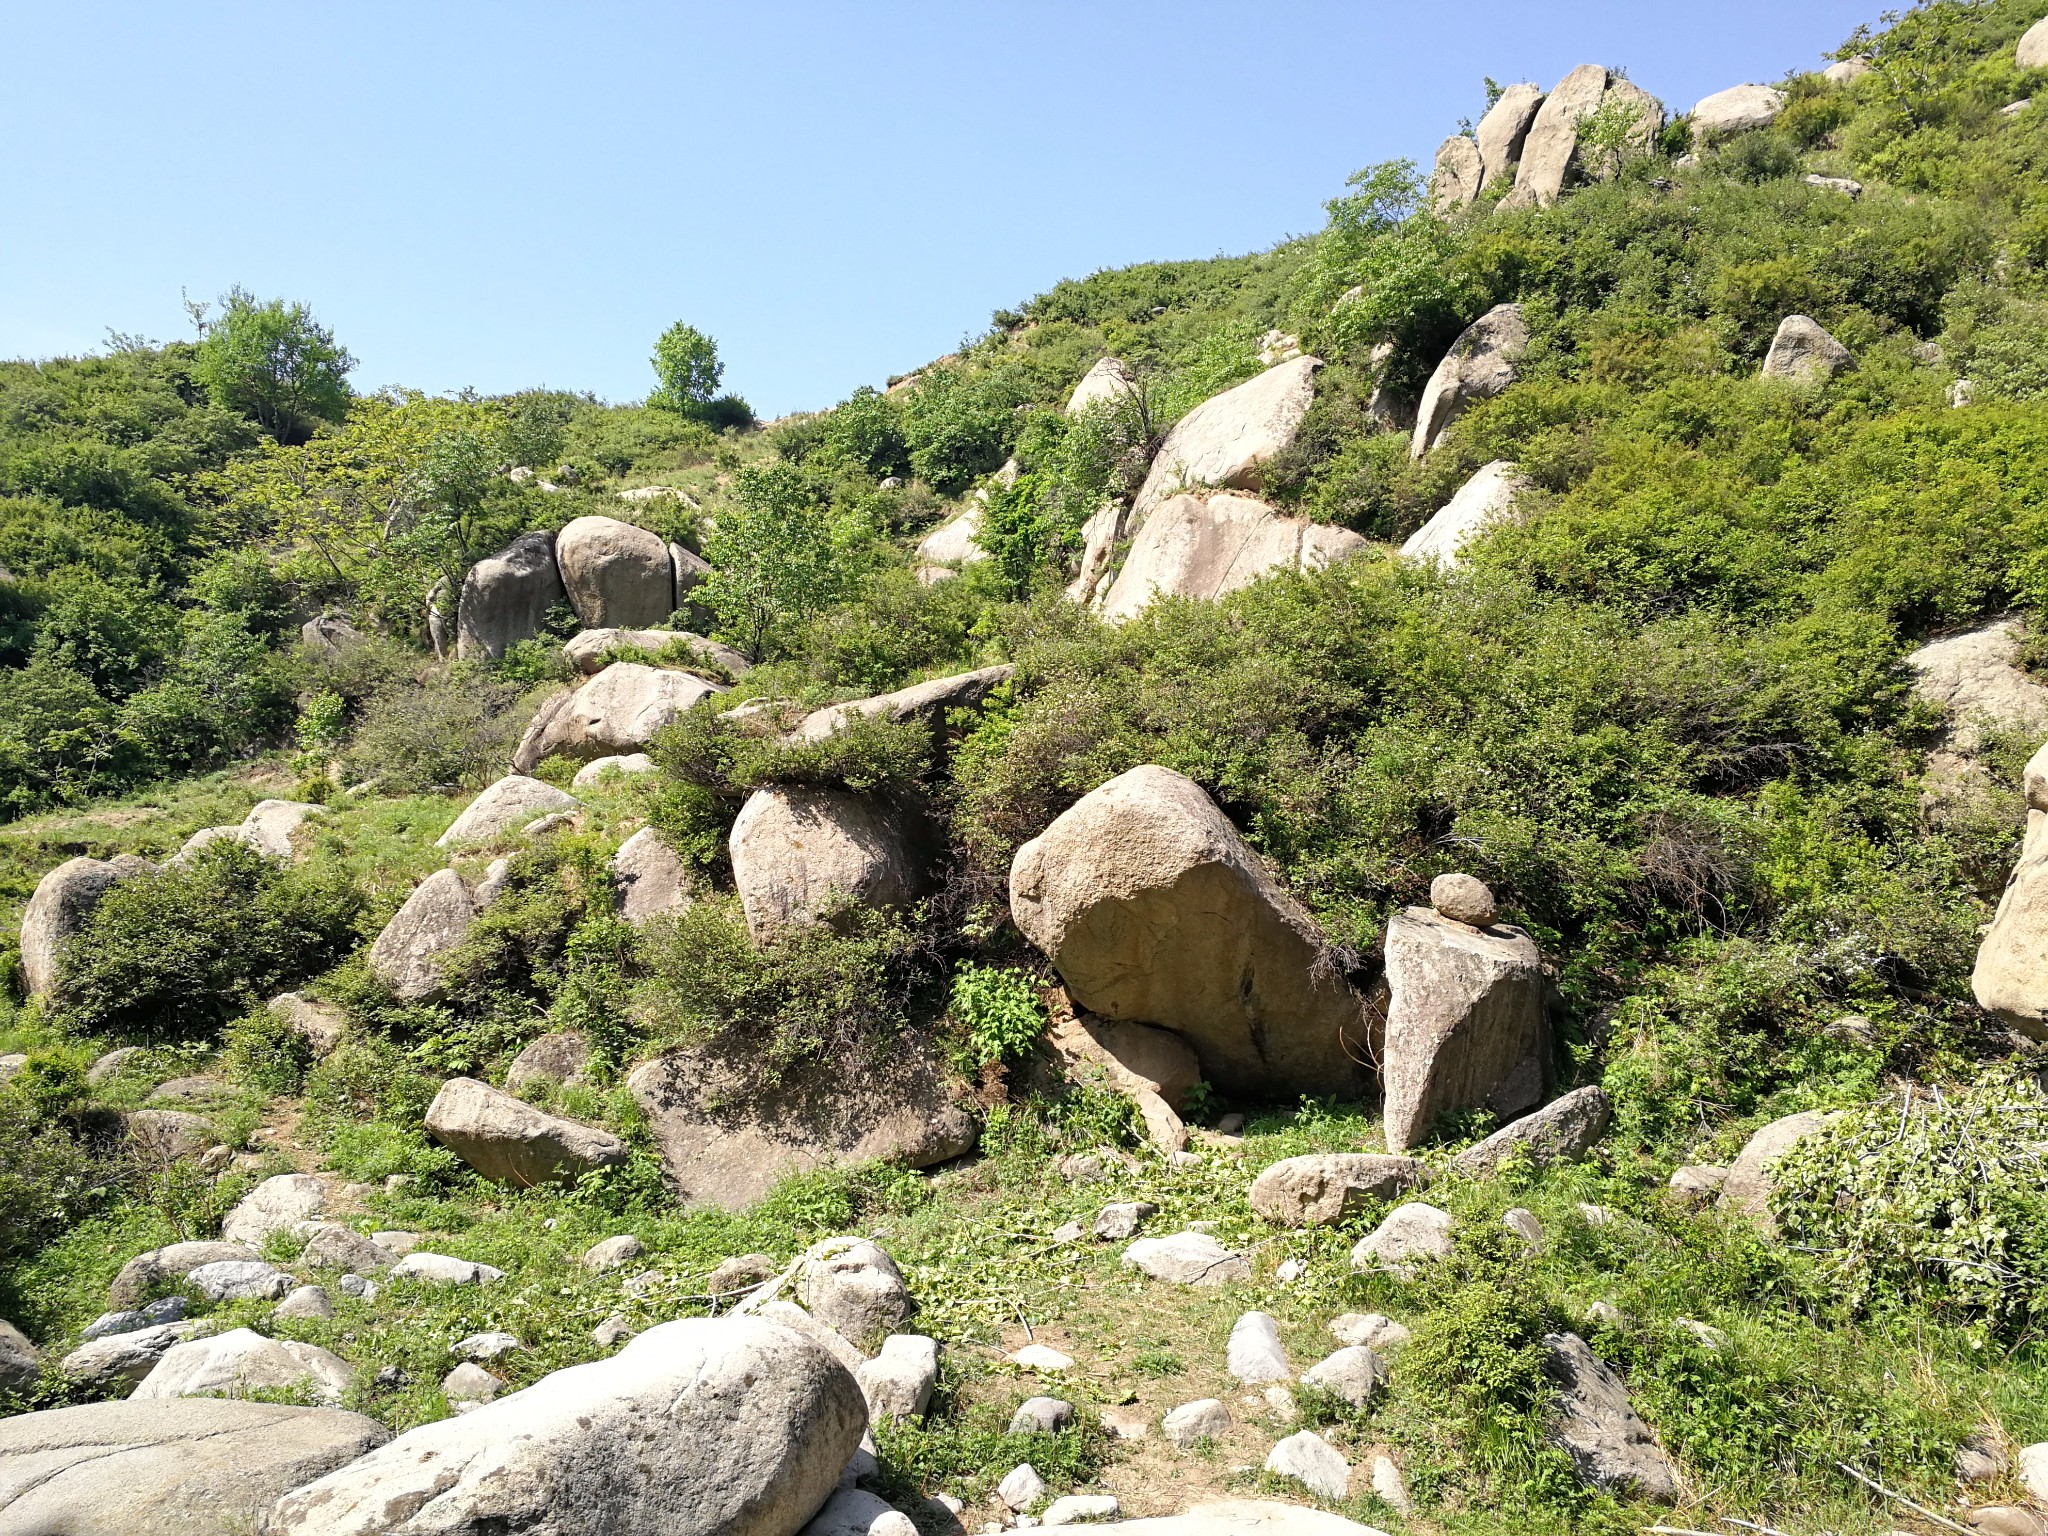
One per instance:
(123, 1359)
(329, 635)
(928, 701)
(186, 1467)
(1644, 114)
(407, 954)
(854, 1288)
(20, 1361)
(616, 575)
(1154, 910)
(619, 710)
(1196, 547)
(1459, 172)
(702, 1427)
(1595, 1424)
(650, 879)
(278, 1204)
(1735, 110)
(240, 1361)
(586, 650)
(1464, 1022)
(57, 913)
(725, 1138)
(1504, 129)
(1109, 382)
(1805, 353)
(1321, 1189)
(506, 1139)
(164, 1136)
(561, 1057)
(320, 1024)
(1564, 1129)
(1480, 364)
(161, 1268)
(1226, 442)
(2032, 50)
(1406, 1237)
(503, 808)
(955, 542)
(799, 853)
(506, 597)
(2011, 976)
(1752, 1177)
(1486, 499)
(1550, 151)
(1974, 676)
(1154, 1068)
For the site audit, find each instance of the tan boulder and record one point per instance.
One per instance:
(1226, 442)
(2032, 50)
(650, 879)
(1550, 152)
(435, 918)
(1464, 1022)
(1645, 121)
(628, 764)
(619, 710)
(1109, 382)
(1975, 677)
(585, 651)
(1154, 1068)
(797, 853)
(1504, 129)
(928, 701)
(506, 597)
(1747, 1189)
(2011, 975)
(1805, 353)
(1155, 911)
(952, 544)
(556, 1058)
(1459, 171)
(1099, 536)
(62, 905)
(1566, 1128)
(508, 1140)
(504, 807)
(321, 1025)
(1192, 547)
(1735, 110)
(615, 574)
(1484, 501)
(1324, 1188)
(242, 1361)
(1480, 364)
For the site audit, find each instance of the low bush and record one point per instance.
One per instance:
(454, 727)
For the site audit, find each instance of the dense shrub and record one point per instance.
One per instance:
(452, 728)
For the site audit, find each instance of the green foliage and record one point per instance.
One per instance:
(686, 368)
(1000, 1010)
(262, 1051)
(957, 424)
(274, 363)
(773, 558)
(453, 728)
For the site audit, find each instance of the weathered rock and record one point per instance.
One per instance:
(1119, 1221)
(2011, 974)
(1041, 1416)
(508, 1140)
(1099, 536)
(1459, 173)
(1410, 1234)
(1852, 189)
(1645, 116)
(509, 803)
(741, 1273)
(2006, 1520)
(703, 1427)
(1484, 502)
(20, 1361)
(1803, 352)
(396, 1242)
(630, 764)
(321, 1025)
(1109, 382)
(166, 1468)
(278, 1203)
(1462, 899)
(927, 701)
(955, 542)
(441, 1269)
(1021, 1487)
(1735, 110)
(337, 1247)
(619, 710)
(1504, 129)
(1154, 1068)
(1080, 1508)
(1747, 1188)
(1842, 71)
(1524, 1224)
(1313, 1462)
(125, 1358)
(1698, 1185)
(305, 1301)
(856, 1512)
(493, 1344)
(1191, 1423)
(1563, 1130)
(239, 1280)
(1154, 910)
(800, 854)
(63, 903)
(434, 920)
(557, 1058)
(1192, 546)
(1550, 151)
(470, 1383)
(506, 597)
(616, 575)
(2033, 1468)
(1369, 1330)
(1974, 675)
(614, 1251)
(586, 650)
(1480, 364)
(1188, 1258)
(163, 1136)
(161, 1267)
(1596, 1425)
(898, 1382)
(329, 635)
(112, 1065)
(1464, 1022)
(241, 1361)
(1354, 1373)
(854, 1288)
(789, 1315)
(203, 1088)
(1226, 442)
(1041, 1357)
(1324, 1188)
(725, 1138)
(1255, 1354)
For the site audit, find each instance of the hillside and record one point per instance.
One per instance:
(1398, 877)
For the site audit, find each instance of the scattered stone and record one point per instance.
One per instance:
(1735, 110)
(616, 575)
(1369, 1330)
(1975, 677)
(1069, 1232)
(2015, 108)
(855, 1512)
(20, 1361)
(1256, 1355)
(1119, 1221)
(505, 597)
(239, 1280)
(898, 1382)
(1188, 1258)
(613, 1331)
(1562, 1131)
(1041, 1416)
(954, 543)
(542, 826)
(1353, 1373)
(1747, 1188)
(162, 1267)
(320, 1024)
(1041, 1357)
(1324, 1188)
(1605, 1314)
(1226, 442)
(1504, 130)
(854, 1288)
(398, 1243)
(620, 710)
(64, 900)
(440, 1269)
(168, 1309)
(305, 1302)
(469, 1383)
(275, 1205)
(1021, 1487)
(1550, 150)
(650, 879)
(744, 1272)
(1231, 1124)
(1523, 1223)
(1290, 1270)
(512, 801)
(485, 1346)
(1108, 382)
(930, 702)
(1313, 1462)
(334, 1246)
(243, 1360)
(1125, 1422)
(505, 1139)
(1841, 184)
(802, 855)
(111, 1065)
(1077, 1507)
(1191, 1423)
(1596, 1425)
(1480, 364)
(1804, 352)
(557, 1058)
(1204, 546)
(1698, 1185)
(586, 652)
(1463, 899)
(2007, 1520)
(1594, 1215)
(127, 1357)
(1410, 1233)
(614, 1251)
(434, 919)
(357, 1286)
(1081, 1168)
(200, 1089)
(1706, 1333)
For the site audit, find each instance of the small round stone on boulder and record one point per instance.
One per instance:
(1463, 899)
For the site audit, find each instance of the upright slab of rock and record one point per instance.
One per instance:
(702, 1427)
(178, 1468)
(506, 1139)
(1099, 536)
(928, 701)
(1109, 382)
(1193, 546)
(1480, 364)
(1154, 910)
(1459, 172)
(1595, 1424)
(2011, 975)
(434, 919)
(619, 710)
(64, 902)
(1226, 442)
(1805, 353)
(650, 879)
(1550, 151)
(1504, 129)
(799, 852)
(506, 597)
(504, 807)
(1485, 500)
(1735, 110)
(616, 575)
(1464, 1022)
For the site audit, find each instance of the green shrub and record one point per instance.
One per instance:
(1000, 1010)
(48, 1176)
(456, 727)
(957, 424)
(261, 1050)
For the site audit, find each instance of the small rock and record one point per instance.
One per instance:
(1605, 1314)
(111, 1065)
(854, 1288)
(1041, 1416)
(190, 1090)
(1325, 1188)
(1804, 352)
(1290, 1270)
(1388, 1483)
(356, 1286)
(1595, 1215)
(613, 1252)
(2015, 108)
(1963, 392)
(1523, 1224)
(1188, 1258)
(239, 1280)
(1313, 1462)
(334, 1246)
(1021, 1487)
(275, 1205)
(2033, 1465)
(1119, 1222)
(440, 1269)
(1076, 1507)
(1231, 1124)
(1593, 1420)
(1081, 1168)
(20, 1361)
(853, 1511)
(1279, 1401)
(898, 1382)
(1354, 1374)
(2007, 1520)
(1976, 1460)
(396, 1243)
(1706, 1333)
(241, 1361)
(1191, 1423)
(1841, 184)
(1698, 1185)
(470, 1383)
(1127, 1422)
(741, 1274)
(1463, 899)
(215, 1159)
(1369, 1330)
(1070, 1232)
(1255, 1353)
(307, 1301)
(1563, 1130)
(613, 1331)
(485, 1346)
(1038, 1357)
(1410, 1234)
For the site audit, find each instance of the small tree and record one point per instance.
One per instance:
(772, 556)
(687, 366)
(274, 363)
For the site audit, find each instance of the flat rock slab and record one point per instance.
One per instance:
(1322, 1189)
(1206, 546)
(1188, 1258)
(507, 1139)
(1244, 1517)
(1561, 1131)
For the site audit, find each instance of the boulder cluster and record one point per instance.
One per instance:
(613, 574)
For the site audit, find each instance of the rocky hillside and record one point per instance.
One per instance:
(1395, 885)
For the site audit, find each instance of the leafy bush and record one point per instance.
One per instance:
(48, 1177)
(957, 424)
(261, 1050)
(455, 727)
(774, 562)
(1000, 1011)
(275, 363)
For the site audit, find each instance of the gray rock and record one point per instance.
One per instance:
(614, 1251)
(1188, 1258)
(1119, 1221)
(125, 1358)
(241, 1361)
(1256, 1355)
(506, 597)
(239, 1280)
(1041, 1416)
(1480, 364)
(542, 826)
(1504, 129)
(186, 1467)
(1226, 442)
(275, 1205)
(928, 701)
(585, 652)
(798, 854)
(557, 1058)
(1598, 1427)
(1605, 1314)
(703, 1427)
(631, 764)
(20, 1361)
(1387, 1482)
(1974, 676)
(1324, 1188)
(435, 919)
(334, 1246)
(111, 1065)
(161, 1267)
(1460, 170)
(470, 1383)
(511, 802)
(1523, 1223)
(1021, 1487)
(164, 1136)
(306, 1302)
(613, 1331)
(898, 1382)
(788, 1314)
(2032, 50)
(1078, 1508)
(392, 1242)
(1842, 71)
(170, 1309)
(1204, 546)
(321, 1025)
(64, 900)
(1706, 1333)
(1369, 1330)
(1697, 1185)
(854, 1288)
(616, 575)
(1410, 1234)
(1550, 151)
(1735, 110)
(1841, 184)
(1747, 1189)
(1108, 382)
(358, 1287)
(489, 1346)
(1191, 1423)
(440, 1269)
(1354, 1373)
(621, 709)
(1154, 1068)
(954, 543)
(201, 1088)
(651, 879)
(856, 1512)
(329, 635)
(508, 1140)
(1803, 352)
(1313, 1462)
(744, 1272)
(1562, 1131)
(1462, 899)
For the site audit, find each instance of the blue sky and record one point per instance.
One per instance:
(512, 194)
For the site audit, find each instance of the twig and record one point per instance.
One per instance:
(1674, 1530)
(1918, 1509)
(1029, 1336)
(1749, 1525)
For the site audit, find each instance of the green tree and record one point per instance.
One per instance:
(773, 557)
(687, 366)
(274, 363)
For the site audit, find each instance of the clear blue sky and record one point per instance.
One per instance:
(513, 194)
